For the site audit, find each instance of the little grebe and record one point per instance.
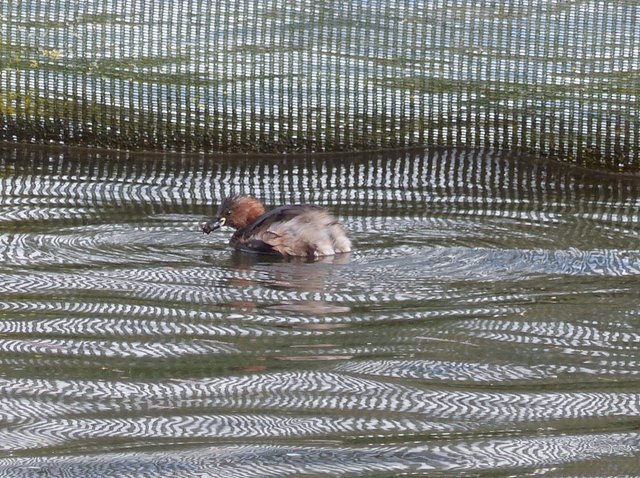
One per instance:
(298, 230)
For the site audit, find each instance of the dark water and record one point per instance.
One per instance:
(487, 321)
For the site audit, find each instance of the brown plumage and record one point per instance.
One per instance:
(297, 230)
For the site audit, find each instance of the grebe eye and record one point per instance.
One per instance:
(228, 213)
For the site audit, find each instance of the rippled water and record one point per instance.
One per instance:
(486, 323)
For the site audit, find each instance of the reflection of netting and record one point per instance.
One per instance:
(393, 183)
(539, 75)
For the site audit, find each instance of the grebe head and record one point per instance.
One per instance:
(235, 211)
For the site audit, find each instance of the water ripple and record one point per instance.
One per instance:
(539, 454)
(103, 348)
(446, 370)
(128, 327)
(486, 322)
(333, 391)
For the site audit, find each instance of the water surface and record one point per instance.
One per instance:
(485, 323)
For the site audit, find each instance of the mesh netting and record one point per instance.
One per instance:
(547, 76)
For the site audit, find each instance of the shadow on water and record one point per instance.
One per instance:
(486, 321)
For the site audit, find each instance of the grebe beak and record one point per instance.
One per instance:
(212, 225)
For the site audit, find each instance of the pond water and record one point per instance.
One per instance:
(487, 321)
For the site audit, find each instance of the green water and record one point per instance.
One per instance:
(486, 321)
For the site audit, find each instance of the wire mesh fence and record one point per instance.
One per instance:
(554, 77)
